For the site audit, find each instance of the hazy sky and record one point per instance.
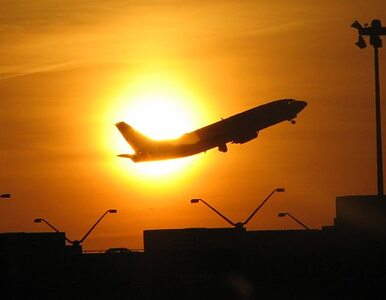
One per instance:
(69, 70)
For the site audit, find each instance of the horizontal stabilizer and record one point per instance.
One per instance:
(133, 157)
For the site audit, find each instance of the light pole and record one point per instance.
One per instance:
(76, 242)
(374, 32)
(239, 225)
(283, 214)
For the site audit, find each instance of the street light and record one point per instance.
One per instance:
(5, 196)
(215, 210)
(40, 220)
(374, 32)
(283, 214)
(111, 211)
(279, 190)
(76, 242)
(239, 225)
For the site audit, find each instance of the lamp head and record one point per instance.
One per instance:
(280, 190)
(282, 214)
(361, 42)
(112, 211)
(39, 220)
(376, 23)
(5, 196)
(356, 25)
(194, 200)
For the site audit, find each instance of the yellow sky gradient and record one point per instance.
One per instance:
(69, 70)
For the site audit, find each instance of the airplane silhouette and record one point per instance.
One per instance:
(237, 129)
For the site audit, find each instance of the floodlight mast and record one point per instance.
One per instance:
(374, 32)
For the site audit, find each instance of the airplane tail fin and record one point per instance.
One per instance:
(136, 140)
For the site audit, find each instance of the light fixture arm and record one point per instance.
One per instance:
(217, 212)
(96, 223)
(298, 221)
(55, 229)
(261, 205)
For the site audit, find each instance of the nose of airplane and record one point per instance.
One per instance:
(301, 104)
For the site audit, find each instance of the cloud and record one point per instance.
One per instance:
(39, 36)
(17, 71)
(34, 14)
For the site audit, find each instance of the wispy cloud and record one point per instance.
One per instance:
(17, 71)
(33, 14)
(40, 36)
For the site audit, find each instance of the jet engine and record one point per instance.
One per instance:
(223, 148)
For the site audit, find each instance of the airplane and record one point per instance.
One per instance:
(237, 129)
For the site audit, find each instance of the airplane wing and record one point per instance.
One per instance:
(226, 131)
(243, 137)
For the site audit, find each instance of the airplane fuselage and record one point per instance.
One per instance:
(238, 129)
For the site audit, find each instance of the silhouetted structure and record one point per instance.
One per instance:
(200, 263)
(22, 243)
(76, 244)
(222, 239)
(361, 216)
(239, 225)
(40, 220)
(283, 214)
(374, 32)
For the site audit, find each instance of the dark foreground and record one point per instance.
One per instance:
(288, 265)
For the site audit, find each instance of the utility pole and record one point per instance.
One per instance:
(374, 32)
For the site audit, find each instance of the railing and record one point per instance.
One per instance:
(104, 251)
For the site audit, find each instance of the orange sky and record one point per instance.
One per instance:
(69, 70)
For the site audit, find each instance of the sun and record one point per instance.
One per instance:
(160, 109)
(159, 117)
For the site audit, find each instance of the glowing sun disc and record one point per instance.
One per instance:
(161, 112)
